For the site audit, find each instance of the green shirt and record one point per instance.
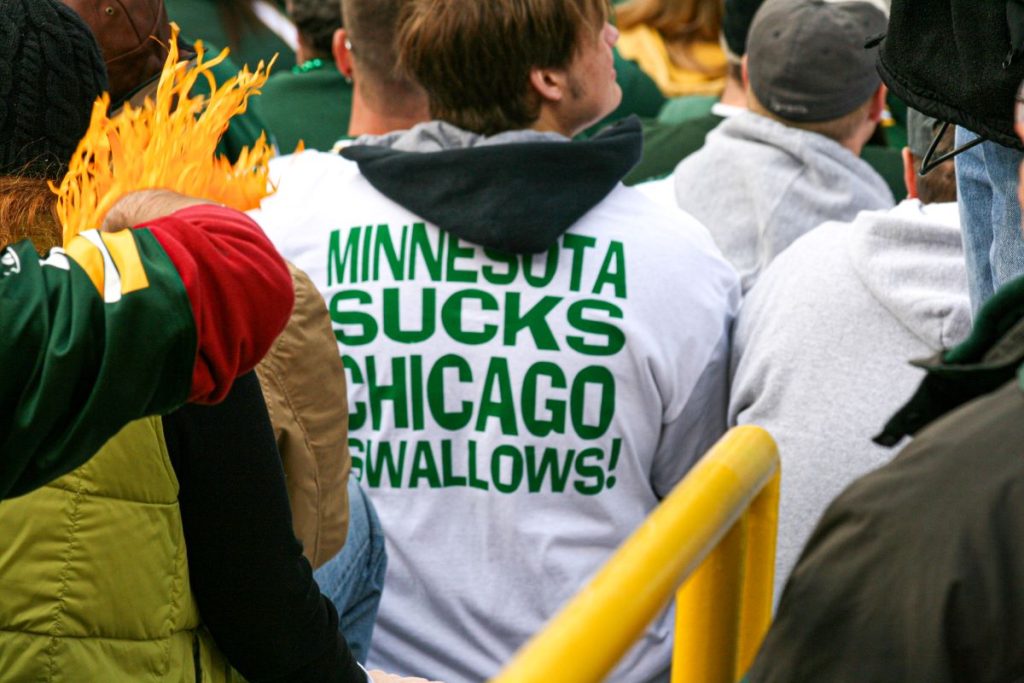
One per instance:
(203, 20)
(312, 102)
(679, 109)
(72, 373)
(665, 145)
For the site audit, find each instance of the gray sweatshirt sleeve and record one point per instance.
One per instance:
(687, 436)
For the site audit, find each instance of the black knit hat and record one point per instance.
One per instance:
(736, 20)
(51, 71)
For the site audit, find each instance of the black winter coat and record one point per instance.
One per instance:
(958, 60)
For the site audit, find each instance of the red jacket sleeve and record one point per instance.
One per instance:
(239, 288)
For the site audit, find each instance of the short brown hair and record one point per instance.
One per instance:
(473, 57)
(316, 20)
(939, 184)
(372, 27)
(840, 129)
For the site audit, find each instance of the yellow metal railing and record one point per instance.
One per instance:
(720, 521)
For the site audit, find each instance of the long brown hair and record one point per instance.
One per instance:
(28, 210)
(681, 23)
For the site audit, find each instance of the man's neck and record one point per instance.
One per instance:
(364, 120)
(547, 122)
(734, 95)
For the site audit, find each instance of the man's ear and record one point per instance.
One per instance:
(909, 173)
(878, 104)
(550, 84)
(342, 51)
(743, 70)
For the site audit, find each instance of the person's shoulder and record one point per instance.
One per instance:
(287, 82)
(280, 83)
(822, 243)
(306, 185)
(651, 206)
(646, 222)
(691, 134)
(309, 168)
(988, 433)
(726, 145)
(803, 277)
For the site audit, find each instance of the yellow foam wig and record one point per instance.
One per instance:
(167, 143)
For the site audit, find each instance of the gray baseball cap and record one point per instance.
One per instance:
(807, 59)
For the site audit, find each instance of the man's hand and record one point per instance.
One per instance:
(381, 677)
(142, 206)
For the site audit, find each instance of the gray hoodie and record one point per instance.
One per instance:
(821, 348)
(758, 185)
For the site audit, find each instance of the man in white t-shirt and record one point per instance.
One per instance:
(536, 354)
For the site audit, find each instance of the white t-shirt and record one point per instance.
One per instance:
(513, 418)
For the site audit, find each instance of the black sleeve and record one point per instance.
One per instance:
(254, 588)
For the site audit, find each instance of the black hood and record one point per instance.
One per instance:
(517, 197)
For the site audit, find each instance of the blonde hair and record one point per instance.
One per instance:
(28, 210)
(681, 23)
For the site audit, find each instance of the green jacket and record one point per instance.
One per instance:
(679, 109)
(312, 103)
(204, 20)
(665, 145)
(123, 325)
(67, 382)
(94, 579)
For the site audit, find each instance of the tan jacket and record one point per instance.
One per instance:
(303, 384)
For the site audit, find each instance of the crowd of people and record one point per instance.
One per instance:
(394, 417)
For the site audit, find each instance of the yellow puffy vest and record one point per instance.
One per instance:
(94, 582)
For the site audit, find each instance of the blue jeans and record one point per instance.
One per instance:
(986, 177)
(353, 579)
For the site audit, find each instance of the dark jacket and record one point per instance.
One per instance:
(254, 588)
(958, 60)
(915, 572)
